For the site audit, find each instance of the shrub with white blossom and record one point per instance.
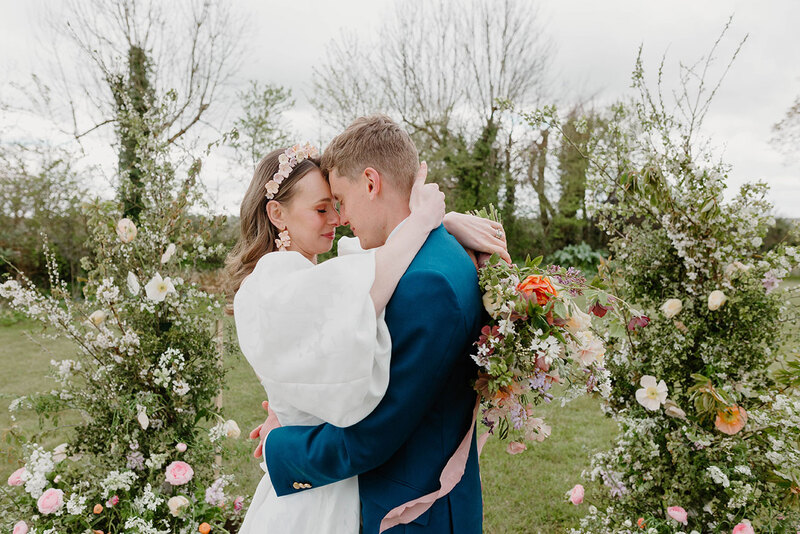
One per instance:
(143, 382)
(709, 432)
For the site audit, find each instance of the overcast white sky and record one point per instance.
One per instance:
(596, 43)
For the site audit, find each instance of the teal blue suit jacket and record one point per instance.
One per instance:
(399, 450)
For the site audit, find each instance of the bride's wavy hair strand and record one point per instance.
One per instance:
(257, 233)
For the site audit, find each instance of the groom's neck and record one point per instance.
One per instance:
(395, 214)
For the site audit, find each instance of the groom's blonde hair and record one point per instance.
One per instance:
(375, 141)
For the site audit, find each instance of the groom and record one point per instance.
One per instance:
(400, 449)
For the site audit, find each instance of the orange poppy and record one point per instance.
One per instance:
(731, 420)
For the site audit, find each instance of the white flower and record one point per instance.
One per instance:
(60, 453)
(673, 410)
(176, 503)
(579, 321)
(735, 266)
(716, 299)
(180, 387)
(97, 317)
(232, 429)
(158, 288)
(671, 308)
(126, 230)
(492, 304)
(168, 253)
(141, 416)
(133, 284)
(652, 395)
(756, 242)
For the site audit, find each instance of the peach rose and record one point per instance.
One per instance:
(204, 528)
(98, 509)
(16, 477)
(51, 501)
(538, 286)
(515, 447)
(179, 473)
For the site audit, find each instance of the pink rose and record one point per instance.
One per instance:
(515, 447)
(238, 503)
(20, 528)
(16, 477)
(51, 501)
(113, 501)
(576, 494)
(678, 514)
(181, 447)
(179, 473)
(743, 528)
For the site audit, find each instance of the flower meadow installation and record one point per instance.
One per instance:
(141, 457)
(705, 396)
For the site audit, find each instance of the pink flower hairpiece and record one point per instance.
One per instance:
(288, 161)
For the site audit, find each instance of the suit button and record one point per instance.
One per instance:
(297, 485)
(306, 486)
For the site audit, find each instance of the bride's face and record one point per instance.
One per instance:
(310, 216)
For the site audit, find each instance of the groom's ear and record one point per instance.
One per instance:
(373, 181)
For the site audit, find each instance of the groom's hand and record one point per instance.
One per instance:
(261, 431)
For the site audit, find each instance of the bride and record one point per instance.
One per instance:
(314, 333)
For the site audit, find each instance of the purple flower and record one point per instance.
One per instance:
(135, 460)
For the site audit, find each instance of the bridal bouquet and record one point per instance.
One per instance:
(539, 336)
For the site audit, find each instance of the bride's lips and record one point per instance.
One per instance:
(330, 235)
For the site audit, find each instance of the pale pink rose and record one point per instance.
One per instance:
(678, 514)
(20, 528)
(179, 473)
(515, 447)
(743, 528)
(16, 477)
(51, 501)
(181, 447)
(238, 503)
(576, 494)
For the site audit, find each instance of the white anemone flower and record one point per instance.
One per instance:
(671, 308)
(716, 299)
(133, 284)
(97, 317)
(652, 395)
(168, 253)
(158, 288)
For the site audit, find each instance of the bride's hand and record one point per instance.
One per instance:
(426, 202)
(260, 432)
(481, 235)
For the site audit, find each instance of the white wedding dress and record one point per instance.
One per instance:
(311, 335)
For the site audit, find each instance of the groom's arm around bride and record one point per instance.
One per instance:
(400, 449)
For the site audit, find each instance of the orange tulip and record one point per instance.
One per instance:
(98, 508)
(538, 286)
(731, 420)
(204, 528)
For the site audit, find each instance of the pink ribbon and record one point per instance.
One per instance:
(451, 475)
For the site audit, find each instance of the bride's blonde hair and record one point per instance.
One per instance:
(258, 234)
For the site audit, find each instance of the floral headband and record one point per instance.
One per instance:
(288, 161)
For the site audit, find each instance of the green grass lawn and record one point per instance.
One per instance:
(523, 493)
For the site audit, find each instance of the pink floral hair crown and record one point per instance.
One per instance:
(288, 161)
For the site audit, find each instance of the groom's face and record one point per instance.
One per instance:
(357, 208)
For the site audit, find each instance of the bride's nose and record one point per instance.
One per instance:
(334, 218)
